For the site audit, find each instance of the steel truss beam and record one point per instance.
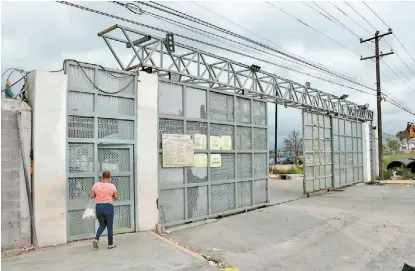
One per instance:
(190, 65)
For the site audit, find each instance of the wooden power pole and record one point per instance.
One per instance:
(377, 56)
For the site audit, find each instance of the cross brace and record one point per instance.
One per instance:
(195, 66)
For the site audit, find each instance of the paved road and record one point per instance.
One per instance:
(138, 251)
(362, 228)
(286, 190)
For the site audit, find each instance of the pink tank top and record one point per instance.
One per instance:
(104, 192)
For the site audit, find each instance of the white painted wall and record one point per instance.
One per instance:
(147, 152)
(366, 151)
(48, 99)
(376, 152)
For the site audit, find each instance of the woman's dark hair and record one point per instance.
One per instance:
(106, 174)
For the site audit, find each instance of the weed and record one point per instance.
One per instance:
(404, 173)
(387, 175)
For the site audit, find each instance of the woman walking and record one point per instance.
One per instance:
(104, 193)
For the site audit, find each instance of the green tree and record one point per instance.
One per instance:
(393, 145)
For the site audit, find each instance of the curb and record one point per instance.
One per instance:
(179, 247)
(188, 251)
(399, 183)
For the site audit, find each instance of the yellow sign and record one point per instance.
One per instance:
(215, 160)
(226, 143)
(215, 142)
(178, 150)
(200, 142)
(200, 160)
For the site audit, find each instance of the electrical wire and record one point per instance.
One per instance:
(182, 36)
(182, 15)
(331, 18)
(154, 28)
(376, 14)
(193, 29)
(390, 28)
(347, 15)
(316, 30)
(360, 15)
(395, 102)
(396, 53)
(261, 37)
(104, 91)
(397, 75)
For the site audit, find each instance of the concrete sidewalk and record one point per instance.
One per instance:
(361, 228)
(135, 251)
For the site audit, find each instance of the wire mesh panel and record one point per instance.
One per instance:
(317, 152)
(241, 181)
(347, 152)
(101, 135)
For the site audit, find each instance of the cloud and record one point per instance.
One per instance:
(40, 35)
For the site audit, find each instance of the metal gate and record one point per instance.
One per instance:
(101, 136)
(348, 152)
(195, 193)
(333, 152)
(317, 152)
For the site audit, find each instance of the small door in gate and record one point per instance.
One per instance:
(119, 160)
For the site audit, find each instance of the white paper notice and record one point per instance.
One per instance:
(200, 160)
(178, 150)
(215, 143)
(215, 160)
(200, 142)
(226, 143)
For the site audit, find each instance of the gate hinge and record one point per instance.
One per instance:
(157, 203)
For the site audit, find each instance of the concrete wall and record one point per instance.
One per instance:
(147, 152)
(15, 215)
(375, 153)
(367, 176)
(48, 98)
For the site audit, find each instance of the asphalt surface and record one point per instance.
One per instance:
(361, 228)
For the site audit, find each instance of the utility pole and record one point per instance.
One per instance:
(377, 56)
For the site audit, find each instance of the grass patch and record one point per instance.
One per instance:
(292, 170)
(389, 158)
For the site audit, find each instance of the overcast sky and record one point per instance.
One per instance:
(40, 35)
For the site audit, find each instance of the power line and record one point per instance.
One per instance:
(151, 27)
(192, 28)
(390, 68)
(360, 15)
(185, 37)
(400, 58)
(388, 28)
(336, 21)
(331, 18)
(207, 24)
(316, 30)
(376, 14)
(180, 14)
(397, 75)
(347, 15)
(214, 36)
